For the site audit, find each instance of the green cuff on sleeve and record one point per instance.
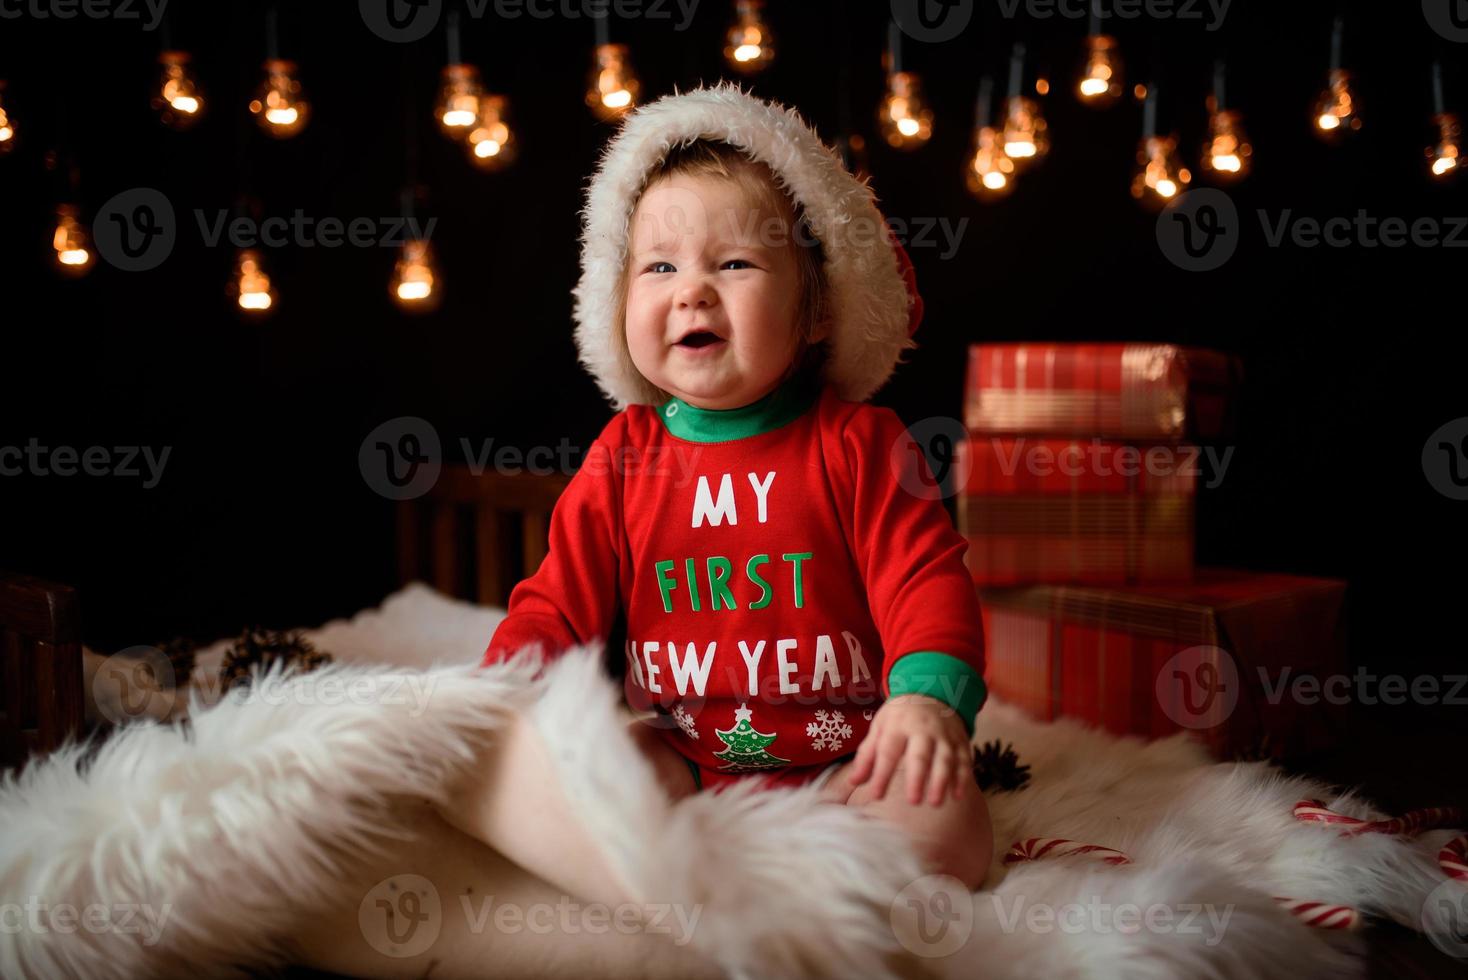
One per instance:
(941, 676)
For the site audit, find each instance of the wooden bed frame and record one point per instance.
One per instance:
(473, 536)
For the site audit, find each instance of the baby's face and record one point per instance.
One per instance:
(703, 258)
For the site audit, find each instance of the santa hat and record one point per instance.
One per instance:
(875, 306)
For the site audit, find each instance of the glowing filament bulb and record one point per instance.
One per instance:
(7, 131)
(280, 108)
(990, 169)
(749, 45)
(906, 120)
(252, 285)
(413, 278)
(178, 100)
(1101, 78)
(1162, 173)
(1444, 156)
(1335, 110)
(1227, 151)
(613, 88)
(70, 241)
(1024, 130)
(458, 100)
(490, 144)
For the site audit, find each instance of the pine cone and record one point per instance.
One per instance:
(266, 647)
(998, 765)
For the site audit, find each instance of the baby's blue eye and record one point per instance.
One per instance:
(744, 261)
(654, 266)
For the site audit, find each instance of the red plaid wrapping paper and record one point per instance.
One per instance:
(1096, 654)
(1118, 391)
(1075, 510)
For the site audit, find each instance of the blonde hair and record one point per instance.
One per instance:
(702, 157)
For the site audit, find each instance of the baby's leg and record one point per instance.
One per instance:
(494, 919)
(509, 799)
(954, 837)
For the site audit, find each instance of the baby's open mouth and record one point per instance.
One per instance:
(700, 338)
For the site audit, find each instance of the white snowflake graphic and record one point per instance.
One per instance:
(685, 721)
(828, 730)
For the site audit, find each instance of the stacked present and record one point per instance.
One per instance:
(1077, 490)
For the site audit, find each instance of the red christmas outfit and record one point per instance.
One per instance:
(782, 571)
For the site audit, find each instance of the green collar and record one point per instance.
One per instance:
(780, 407)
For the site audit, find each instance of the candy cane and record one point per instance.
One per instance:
(1317, 914)
(1410, 823)
(1321, 915)
(1034, 848)
(1453, 858)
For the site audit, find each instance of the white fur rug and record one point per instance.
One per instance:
(238, 817)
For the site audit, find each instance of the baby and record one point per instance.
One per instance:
(796, 604)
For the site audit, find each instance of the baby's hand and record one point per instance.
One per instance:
(932, 738)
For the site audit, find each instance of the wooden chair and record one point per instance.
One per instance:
(40, 666)
(473, 536)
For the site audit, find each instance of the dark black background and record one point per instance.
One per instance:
(1354, 355)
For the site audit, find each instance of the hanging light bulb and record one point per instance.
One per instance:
(70, 241)
(279, 107)
(1100, 82)
(458, 101)
(1443, 157)
(1161, 175)
(178, 99)
(612, 88)
(7, 125)
(491, 144)
(251, 286)
(907, 122)
(990, 171)
(1336, 110)
(415, 283)
(904, 117)
(1445, 154)
(459, 89)
(1227, 153)
(1024, 138)
(749, 45)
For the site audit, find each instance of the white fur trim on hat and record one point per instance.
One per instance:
(869, 300)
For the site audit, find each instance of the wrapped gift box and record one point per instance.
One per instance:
(1038, 510)
(1118, 391)
(1219, 657)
